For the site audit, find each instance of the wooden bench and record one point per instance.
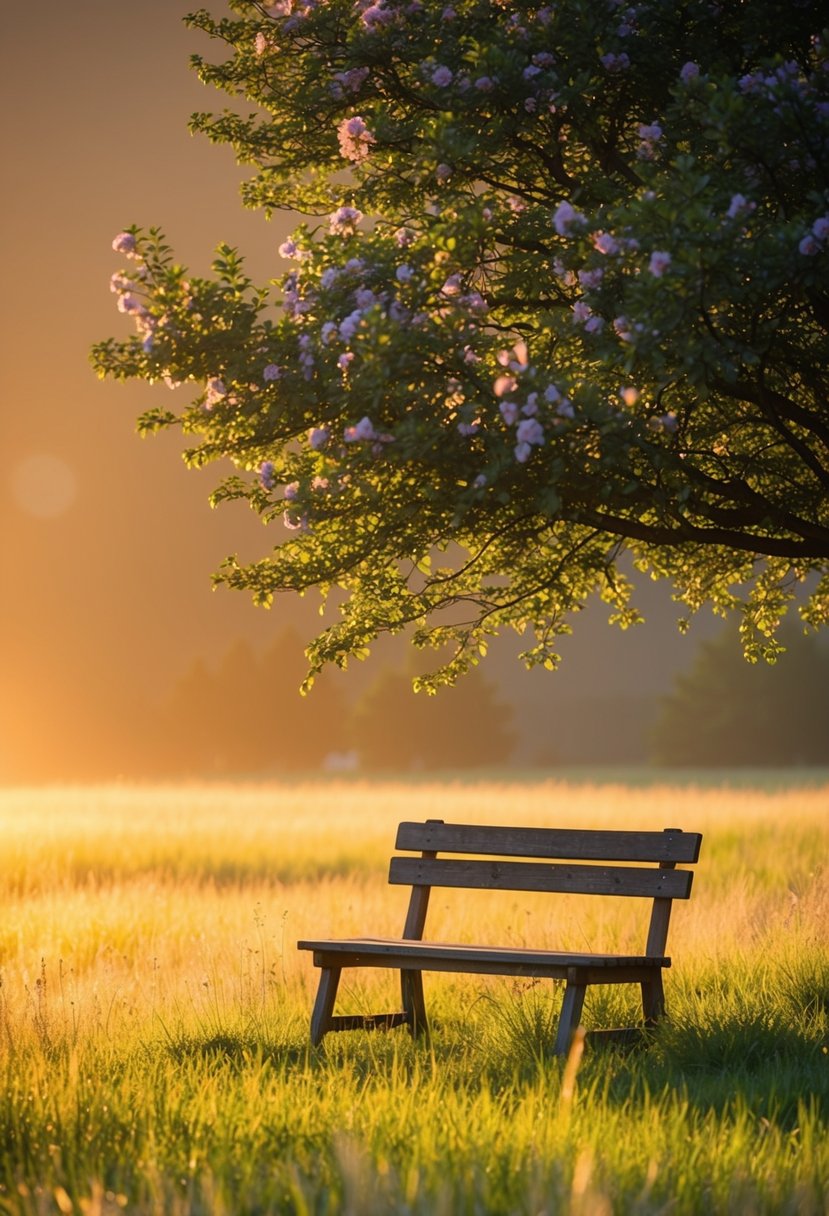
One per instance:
(551, 852)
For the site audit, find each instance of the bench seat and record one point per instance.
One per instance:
(403, 954)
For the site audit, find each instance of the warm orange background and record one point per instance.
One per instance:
(107, 545)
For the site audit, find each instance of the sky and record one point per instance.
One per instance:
(107, 543)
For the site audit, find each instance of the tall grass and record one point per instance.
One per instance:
(154, 1011)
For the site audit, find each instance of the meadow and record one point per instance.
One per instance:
(154, 1010)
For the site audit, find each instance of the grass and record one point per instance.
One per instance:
(154, 1012)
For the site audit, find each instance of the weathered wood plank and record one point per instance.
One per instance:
(324, 1004)
(570, 1012)
(482, 960)
(568, 844)
(648, 883)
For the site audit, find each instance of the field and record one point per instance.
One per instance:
(154, 1011)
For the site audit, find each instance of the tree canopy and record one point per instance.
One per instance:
(561, 295)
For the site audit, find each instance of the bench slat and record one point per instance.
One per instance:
(458, 952)
(570, 844)
(483, 960)
(539, 876)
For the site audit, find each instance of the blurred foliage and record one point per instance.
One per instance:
(724, 711)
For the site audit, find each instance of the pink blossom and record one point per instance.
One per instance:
(355, 139)
(605, 243)
(504, 384)
(442, 76)
(344, 360)
(452, 286)
(288, 249)
(271, 372)
(352, 80)
(364, 430)
(659, 263)
(120, 282)
(404, 237)
(260, 43)
(344, 221)
(216, 391)
(376, 16)
(125, 243)
(130, 304)
(629, 395)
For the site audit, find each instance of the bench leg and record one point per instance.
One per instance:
(653, 999)
(570, 1013)
(324, 1004)
(411, 986)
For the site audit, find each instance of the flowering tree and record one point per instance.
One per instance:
(562, 294)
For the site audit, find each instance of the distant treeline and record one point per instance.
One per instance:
(244, 716)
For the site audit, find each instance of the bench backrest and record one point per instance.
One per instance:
(548, 855)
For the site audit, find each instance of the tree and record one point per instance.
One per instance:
(724, 712)
(463, 727)
(562, 295)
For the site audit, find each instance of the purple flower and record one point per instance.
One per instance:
(271, 372)
(739, 203)
(659, 263)
(267, 474)
(125, 243)
(318, 436)
(509, 412)
(344, 221)
(364, 430)
(530, 430)
(564, 218)
(688, 72)
(820, 228)
(442, 76)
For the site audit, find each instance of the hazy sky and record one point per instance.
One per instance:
(107, 543)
